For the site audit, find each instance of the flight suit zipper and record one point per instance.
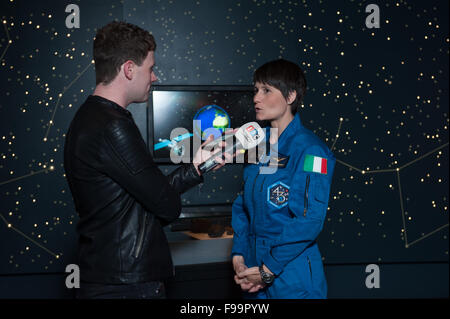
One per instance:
(254, 203)
(309, 264)
(255, 210)
(306, 196)
(262, 184)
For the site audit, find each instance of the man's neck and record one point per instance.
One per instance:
(111, 93)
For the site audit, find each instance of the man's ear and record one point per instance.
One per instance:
(292, 96)
(129, 69)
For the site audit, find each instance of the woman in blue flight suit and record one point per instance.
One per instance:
(282, 209)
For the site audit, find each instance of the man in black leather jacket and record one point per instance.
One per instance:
(122, 198)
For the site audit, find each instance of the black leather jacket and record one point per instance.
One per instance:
(122, 198)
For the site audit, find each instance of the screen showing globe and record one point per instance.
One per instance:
(180, 116)
(199, 112)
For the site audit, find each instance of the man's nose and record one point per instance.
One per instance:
(154, 78)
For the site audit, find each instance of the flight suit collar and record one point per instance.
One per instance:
(291, 130)
(280, 151)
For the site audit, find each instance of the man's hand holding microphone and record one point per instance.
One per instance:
(247, 136)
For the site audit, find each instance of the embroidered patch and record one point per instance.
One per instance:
(315, 164)
(278, 194)
(282, 161)
(279, 160)
(275, 159)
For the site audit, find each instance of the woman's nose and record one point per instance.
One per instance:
(256, 98)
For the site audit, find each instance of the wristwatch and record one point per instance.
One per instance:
(266, 277)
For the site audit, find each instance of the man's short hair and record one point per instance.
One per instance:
(284, 75)
(116, 43)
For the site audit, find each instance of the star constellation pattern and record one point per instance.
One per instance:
(378, 98)
(46, 69)
(397, 171)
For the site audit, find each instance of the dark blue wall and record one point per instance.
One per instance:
(388, 85)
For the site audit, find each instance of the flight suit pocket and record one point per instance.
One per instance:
(317, 278)
(295, 282)
(299, 192)
(321, 189)
(315, 197)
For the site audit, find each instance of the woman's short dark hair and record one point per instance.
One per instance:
(116, 43)
(284, 75)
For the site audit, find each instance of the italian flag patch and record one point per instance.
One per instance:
(315, 164)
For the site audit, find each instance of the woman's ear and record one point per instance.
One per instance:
(292, 96)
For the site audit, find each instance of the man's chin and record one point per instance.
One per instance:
(142, 100)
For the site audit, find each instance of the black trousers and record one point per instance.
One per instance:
(143, 290)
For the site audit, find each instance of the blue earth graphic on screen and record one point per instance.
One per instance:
(213, 119)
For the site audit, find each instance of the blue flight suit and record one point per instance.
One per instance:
(278, 217)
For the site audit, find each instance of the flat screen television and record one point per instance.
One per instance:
(218, 108)
(197, 111)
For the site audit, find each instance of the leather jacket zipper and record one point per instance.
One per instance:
(141, 237)
(306, 196)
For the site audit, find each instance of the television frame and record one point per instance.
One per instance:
(191, 211)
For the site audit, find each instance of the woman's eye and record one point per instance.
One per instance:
(266, 90)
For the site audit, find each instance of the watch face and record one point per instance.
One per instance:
(267, 278)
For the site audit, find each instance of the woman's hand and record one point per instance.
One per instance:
(252, 278)
(245, 277)
(239, 266)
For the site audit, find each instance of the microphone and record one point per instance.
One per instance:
(248, 136)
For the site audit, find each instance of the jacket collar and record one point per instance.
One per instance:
(104, 101)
